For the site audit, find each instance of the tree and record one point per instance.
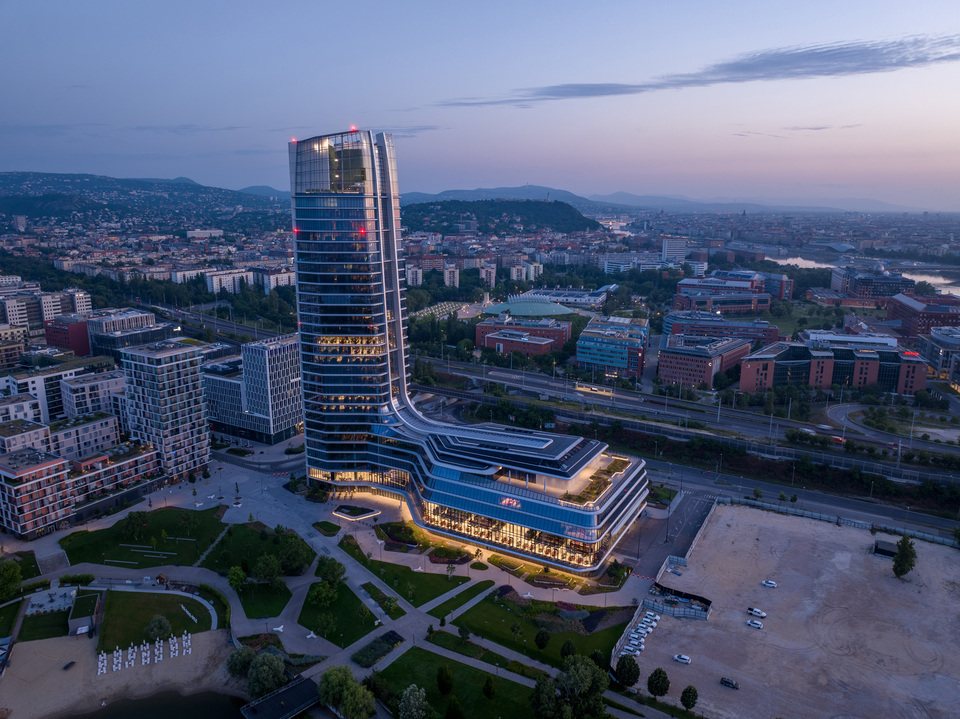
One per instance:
(237, 578)
(542, 639)
(906, 557)
(358, 702)
(413, 703)
(330, 570)
(333, 685)
(454, 710)
(757, 493)
(464, 634)
(10, 578)
(326, 624)
(364, 613)
(658, 683)
(597, 657)
(782, 497)
(322, 594)
(267, 568)
(451, 568)
(568, 649)
(159, 628)
(295, 555)
(543, 699)
(627, 672)
(238, 663)
(515, 630)
(689, 697)
(580, 686)
(444, 679)
(489, 691)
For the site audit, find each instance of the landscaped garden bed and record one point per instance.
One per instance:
(599, 483)
(387, 603)
(327, 529)
(377, 649)
(353, 514)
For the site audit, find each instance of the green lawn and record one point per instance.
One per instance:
(44, 626)
(258, 600)
(475, 651)
(493, 622)
(241, 546)
(426, 585)
(127, 614)
(28, 565)
(345, 608)
(8, 615)
(104, 545)
(442, 610)
(419, 666)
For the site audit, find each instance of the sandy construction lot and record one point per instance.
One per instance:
(842, 637)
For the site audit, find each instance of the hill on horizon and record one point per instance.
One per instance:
(495, 216)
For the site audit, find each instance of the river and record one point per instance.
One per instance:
(944, 283)
(171, 704)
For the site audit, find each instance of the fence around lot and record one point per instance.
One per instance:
(834, 519)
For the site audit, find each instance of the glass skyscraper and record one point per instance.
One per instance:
(560, 499)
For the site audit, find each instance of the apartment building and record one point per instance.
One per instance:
(90, 392)
(164, 403)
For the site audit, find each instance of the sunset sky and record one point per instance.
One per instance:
(707, 100)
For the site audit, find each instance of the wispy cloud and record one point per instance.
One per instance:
(188, 129)
(789, 63)
(820, 128)
(411, 130)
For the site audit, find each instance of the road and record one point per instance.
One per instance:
(746, 425)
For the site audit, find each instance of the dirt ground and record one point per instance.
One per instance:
(843, 638)
(81, 689)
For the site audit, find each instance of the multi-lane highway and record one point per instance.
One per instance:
(731, 423)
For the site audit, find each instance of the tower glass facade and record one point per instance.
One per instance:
(561, 499)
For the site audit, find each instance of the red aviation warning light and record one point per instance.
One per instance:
(293, 139)
(353, 128)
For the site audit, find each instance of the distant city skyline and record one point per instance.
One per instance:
(709, 101)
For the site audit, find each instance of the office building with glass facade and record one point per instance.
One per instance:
(562, 500)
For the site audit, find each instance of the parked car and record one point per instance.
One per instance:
(727, 682)
(682, 658)
(648, 623)
(755, 624)
(654, 617)
(769, 583)
(756, 612)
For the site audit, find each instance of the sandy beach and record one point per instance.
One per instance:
(62, 693)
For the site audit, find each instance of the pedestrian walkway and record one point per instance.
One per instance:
(212, 545)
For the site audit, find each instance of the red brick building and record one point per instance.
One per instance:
(694, 361)
(550, 329)
(918, 314)
(508, 341)
(68, 332)
(792, 363)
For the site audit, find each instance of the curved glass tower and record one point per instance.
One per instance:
(562, 500)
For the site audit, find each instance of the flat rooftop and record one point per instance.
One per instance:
(17, 426)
